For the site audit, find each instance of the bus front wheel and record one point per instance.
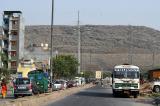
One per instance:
(135, 95)
(114, 93)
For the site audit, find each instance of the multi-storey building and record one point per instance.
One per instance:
(12, 39)
(0, 48)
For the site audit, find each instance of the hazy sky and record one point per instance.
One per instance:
(104, 12)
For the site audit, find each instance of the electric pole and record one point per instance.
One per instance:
(79, 45)
(51, 50)
(130, 47)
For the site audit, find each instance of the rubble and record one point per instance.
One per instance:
(146, 89)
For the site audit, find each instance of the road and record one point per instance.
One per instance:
(98, 96)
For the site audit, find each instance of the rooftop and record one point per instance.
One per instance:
(11, 12)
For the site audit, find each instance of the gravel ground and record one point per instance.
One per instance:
(42, 99)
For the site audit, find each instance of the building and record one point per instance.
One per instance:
(24, 67)
(0, 48)
(154, 74)
(12, 39)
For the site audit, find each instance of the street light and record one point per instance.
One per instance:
(51, 50)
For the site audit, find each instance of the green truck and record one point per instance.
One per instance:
(40, 81)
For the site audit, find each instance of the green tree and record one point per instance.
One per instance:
(106, 74)
(89, 74)
(64, 66)
(4, 72)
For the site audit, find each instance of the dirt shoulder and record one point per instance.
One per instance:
(43, 99)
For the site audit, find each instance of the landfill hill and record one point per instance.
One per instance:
(102, 46)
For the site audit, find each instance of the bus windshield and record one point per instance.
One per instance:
(126, 73)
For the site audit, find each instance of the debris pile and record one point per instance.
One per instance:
(146, 89)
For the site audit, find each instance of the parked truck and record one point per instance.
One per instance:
(154, 77)
(126, 79)
(40, 80)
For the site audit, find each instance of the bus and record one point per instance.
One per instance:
(126, 80)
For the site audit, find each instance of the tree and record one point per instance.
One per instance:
(64, 66)
(106, 74)
(4, 72)
(89, 74)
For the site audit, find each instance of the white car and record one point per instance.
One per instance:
(64, 84)
(155, 85)
(57, 85)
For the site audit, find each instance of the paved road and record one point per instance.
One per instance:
(8, 98)
(98, 96)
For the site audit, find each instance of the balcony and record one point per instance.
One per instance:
(5, 37)
(5, 26)
(5, 23)
(14, 18)
(13, 48)
(4, 57)
(14, 32)
(5, 47)
(15, 27)
(13, 37)
(13, 67)
(13, 58)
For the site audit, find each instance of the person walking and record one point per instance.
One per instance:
(3, 88)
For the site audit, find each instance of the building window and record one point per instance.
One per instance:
(14, 33)
(6, 21)
(15, 23)
(13, 63)
(13, 43)
(13, 53)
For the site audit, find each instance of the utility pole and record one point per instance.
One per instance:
(153, 59)
(79, 45)
(90, 57)
(131, 47)
(154, 54)
(51, 51)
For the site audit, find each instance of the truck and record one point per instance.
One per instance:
(126, 80)
(154, 78)
(40, 80)
(154, 74)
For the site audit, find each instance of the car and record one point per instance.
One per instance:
(22, 87)
(57, 85)
(64, 84)
(71, 84)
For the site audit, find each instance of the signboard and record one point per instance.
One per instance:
(98, 74)
(19, 75)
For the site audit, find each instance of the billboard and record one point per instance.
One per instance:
(98, 74)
